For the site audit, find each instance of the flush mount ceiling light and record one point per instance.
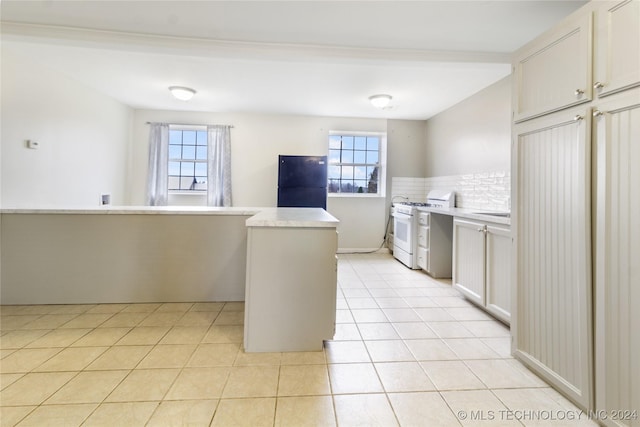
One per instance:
(182, 93)
(380, 101)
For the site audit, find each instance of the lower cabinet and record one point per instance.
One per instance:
(617, 270)
(434, 244)
(290, 301)
(498, 272)
(482, 265)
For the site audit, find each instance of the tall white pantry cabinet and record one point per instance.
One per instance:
(576, 208)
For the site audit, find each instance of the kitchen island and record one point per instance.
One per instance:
(291, 280)
(124, 254)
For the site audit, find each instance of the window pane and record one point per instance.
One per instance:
(201, 152)
(188, 152)
(373, 143)
(187, 169)
(347, 156)
(372, 173)
(359, 157)
(174, 168)
(334, 172)
(347, 172)
(360, 172)
(347, 142)
(201, 183)
(186, 182)
(189, 137)
(175, 151)
(201, 137)
(360, 143)
(334, 186)
(346, 187)
(372, 157)
(334, 156)
(334, 142)
(360, 186)
(174, 183)
(175, 137)
(201, 169)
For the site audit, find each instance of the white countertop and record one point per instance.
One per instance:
(135, 210)
(292, 217)
(259, 217)
(476, 214)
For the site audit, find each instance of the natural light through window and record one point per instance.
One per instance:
(188, 159)
(355, 163)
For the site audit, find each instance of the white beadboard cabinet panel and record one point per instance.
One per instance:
(469, 259)
(617, 262)
(554, 72)
(552, 224)
(617, 46)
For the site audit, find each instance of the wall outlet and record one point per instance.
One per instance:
(32, 144)
(105, 199)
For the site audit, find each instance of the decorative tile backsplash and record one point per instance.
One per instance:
(483, 190)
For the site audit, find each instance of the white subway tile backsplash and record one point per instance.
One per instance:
(484, 190)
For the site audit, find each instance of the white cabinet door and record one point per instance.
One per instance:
(423, 258)
(617, 46)
(498, 278)
(290, 299)
(617, 269)
(554, 72)
(423, 246)
(469, 259)
(551, 173)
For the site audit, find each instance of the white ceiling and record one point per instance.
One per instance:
(292, 57)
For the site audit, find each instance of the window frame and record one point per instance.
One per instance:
(382, 153)
(186, 191)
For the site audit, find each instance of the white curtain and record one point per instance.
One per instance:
(219, 167)
(157, 178)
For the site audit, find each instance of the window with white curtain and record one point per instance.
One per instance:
(187, 171)
(189, 159)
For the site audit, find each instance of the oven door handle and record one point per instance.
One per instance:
(401, 215)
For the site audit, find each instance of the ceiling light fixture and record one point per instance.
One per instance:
(182, 93)
(380, 101)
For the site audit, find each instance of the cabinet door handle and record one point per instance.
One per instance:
(597, 113)
(578, 117)
(579, 92)
(598, 85)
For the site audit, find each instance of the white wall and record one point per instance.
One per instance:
(83, 137)
(472, 136)
(406, 148)
(90, 144)
(256, 142)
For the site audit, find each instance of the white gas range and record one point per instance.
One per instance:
(405, 225)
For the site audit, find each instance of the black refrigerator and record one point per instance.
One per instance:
(302, 181)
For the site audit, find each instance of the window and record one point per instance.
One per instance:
(188, 158)
(355, 163)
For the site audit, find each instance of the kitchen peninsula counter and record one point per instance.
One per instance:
(127, 254)
(138, 210)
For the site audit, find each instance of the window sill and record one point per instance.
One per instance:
(187, 193)
(356, 195)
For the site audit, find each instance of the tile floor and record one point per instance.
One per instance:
(408, 351)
